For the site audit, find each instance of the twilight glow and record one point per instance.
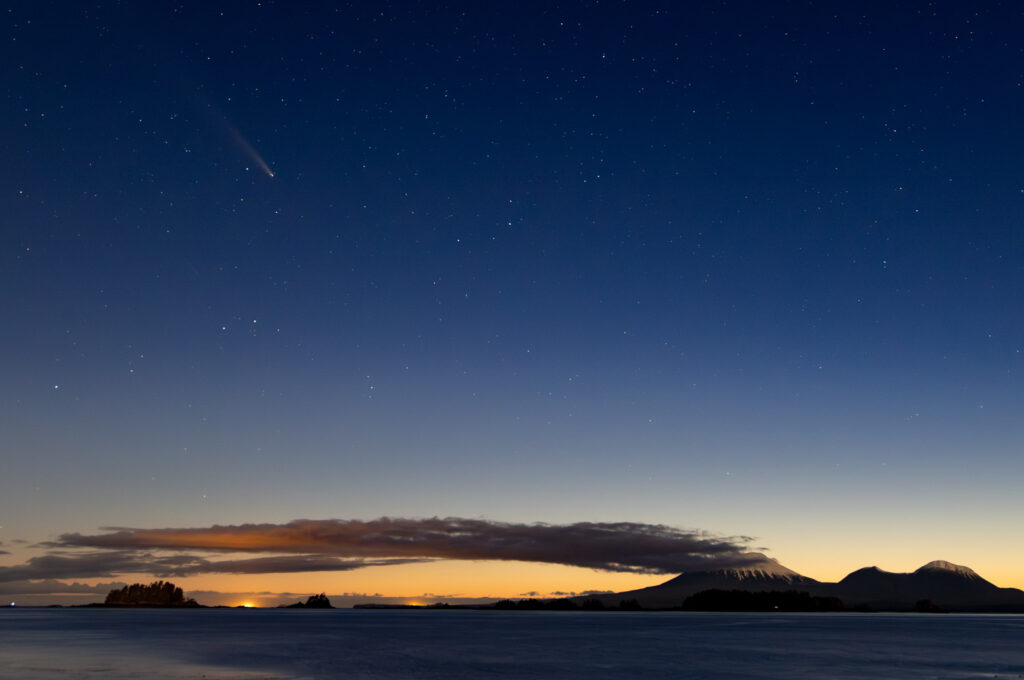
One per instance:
(563, 299)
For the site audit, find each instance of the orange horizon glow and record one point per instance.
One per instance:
(425, 583)
(445, 580)
(464, 579)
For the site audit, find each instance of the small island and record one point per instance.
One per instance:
(156, 594)
(313, 602)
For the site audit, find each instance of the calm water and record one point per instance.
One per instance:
(38, 644)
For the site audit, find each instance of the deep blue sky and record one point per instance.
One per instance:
(750, 267)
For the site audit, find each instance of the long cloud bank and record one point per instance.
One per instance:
(319, 545)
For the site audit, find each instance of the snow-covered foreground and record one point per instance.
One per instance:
(38, 644)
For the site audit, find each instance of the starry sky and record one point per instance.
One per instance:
(745, 268)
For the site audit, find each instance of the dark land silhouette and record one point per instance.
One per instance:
(760, 601)
(320, 601)
(937, 586)
(764, 585)
(156, 594)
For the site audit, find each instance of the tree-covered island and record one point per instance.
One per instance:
(156, 594)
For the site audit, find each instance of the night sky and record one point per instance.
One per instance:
(747, 268)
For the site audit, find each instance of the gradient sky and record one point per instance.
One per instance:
(749, 268)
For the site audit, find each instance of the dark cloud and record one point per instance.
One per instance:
(620, 546)
(4, 552)
(89, 565)
(107, 564)
(53, 587)
(344, 545)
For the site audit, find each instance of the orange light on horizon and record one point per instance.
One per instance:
(420, 583)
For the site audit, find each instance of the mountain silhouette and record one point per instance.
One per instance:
(761, 574)
(950, 586)
(943, 585)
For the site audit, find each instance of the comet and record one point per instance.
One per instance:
(245, 146)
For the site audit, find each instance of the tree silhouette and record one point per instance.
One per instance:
(312, 602)
(156, 594)
(765, 601)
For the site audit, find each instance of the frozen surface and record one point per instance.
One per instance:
(41, 644)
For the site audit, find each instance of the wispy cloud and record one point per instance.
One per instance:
(107, 564)
(318, 545)
(54, 587)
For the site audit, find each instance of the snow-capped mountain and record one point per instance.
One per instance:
(760, 573)
(763, 569)
(946, 585)
(942, 566)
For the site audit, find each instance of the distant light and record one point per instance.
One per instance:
(247, 605)
(12, 604)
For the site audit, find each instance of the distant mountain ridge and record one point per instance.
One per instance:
(948, 586)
